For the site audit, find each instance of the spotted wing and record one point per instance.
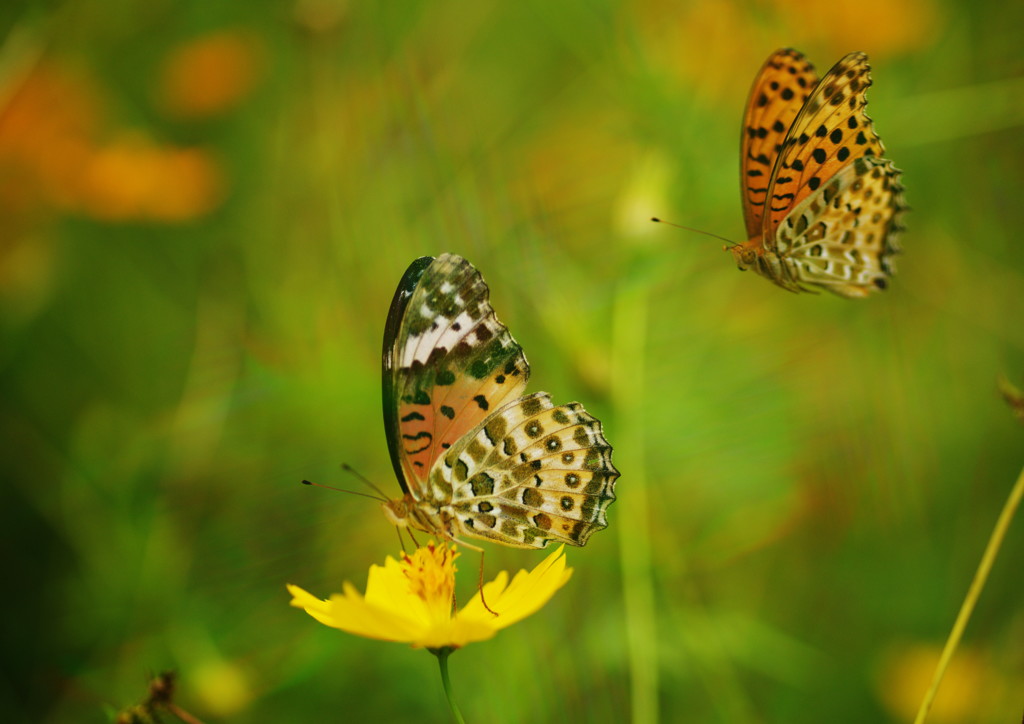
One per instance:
(447, 363)
(830, 131)
(778, 93)
(843, 238)
(532, 473)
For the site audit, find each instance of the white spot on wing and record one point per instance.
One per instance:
(418, 348)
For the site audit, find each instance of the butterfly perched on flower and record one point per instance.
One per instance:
(475, 457)
(822, 205)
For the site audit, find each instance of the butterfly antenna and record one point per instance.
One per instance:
(349, 469)
(697, 231)
(343, 490)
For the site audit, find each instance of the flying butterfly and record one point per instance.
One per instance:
(822, 205)
(474, 455)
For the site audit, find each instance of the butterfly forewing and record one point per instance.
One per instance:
(530, 474)
(781, 87)
(448, 363)
(396, 313)
(830, 130)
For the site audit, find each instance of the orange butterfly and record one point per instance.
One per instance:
(810, 154)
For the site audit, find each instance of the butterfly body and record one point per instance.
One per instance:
(821, 204)
(476, 458)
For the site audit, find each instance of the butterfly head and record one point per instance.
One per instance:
(397, 511)
(407, 512)
(744, 254)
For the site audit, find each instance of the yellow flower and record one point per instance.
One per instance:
(411, 600)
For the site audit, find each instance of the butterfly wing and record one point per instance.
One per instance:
(530, 474)
(447, 363)
(779, 91)
(843, 238)
(396, 314)
(830, 131)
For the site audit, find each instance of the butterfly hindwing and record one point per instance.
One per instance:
(448, 363)
(779, 91)
(843, 238)
(531, 473)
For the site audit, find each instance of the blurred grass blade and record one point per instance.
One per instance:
(957, 113)
(629, 331)
(1014, 397)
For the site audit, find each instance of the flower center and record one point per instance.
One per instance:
(431, 573)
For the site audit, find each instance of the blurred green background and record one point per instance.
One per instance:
(204, 211)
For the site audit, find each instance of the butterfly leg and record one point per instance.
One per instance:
(480, 578)
(480, 585)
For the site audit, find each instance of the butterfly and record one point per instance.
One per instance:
(475, 456)
(822, 206)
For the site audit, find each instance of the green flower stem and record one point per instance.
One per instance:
(995, 541)
(442, 660)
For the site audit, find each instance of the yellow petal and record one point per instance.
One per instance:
(387, 589)
(364, 619)
(525, 595)
(352, 613)
(314, 606)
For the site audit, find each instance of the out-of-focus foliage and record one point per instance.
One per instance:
(204, 210)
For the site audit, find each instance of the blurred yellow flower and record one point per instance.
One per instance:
(58, 153)
(49, 119)
(412, 600)
(212, 74)
(971, 690)
(736, 36)
(135, 178)
(893, 28)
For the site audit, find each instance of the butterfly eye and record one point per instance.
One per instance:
(744, 257)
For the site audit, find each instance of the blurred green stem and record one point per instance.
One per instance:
(980, 576)
(442, 660)
(629, 342)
